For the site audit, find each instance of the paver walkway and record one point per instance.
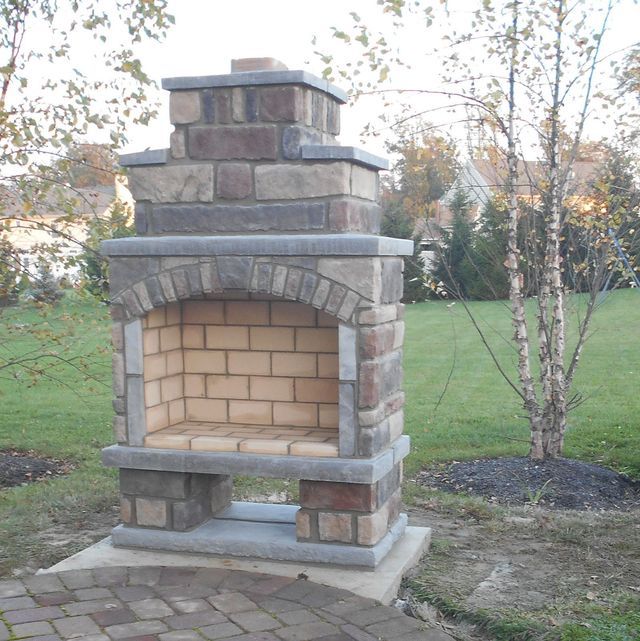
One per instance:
(190, 604)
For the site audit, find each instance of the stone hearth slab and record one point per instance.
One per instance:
(250, 531)
(344, 470)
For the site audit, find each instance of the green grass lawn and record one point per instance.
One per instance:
(479, 415)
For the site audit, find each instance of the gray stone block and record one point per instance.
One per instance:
(155, 291)
(294, 138)
(181, 284)
(261, 281)
(200, 219)
(148, 157)
(136, 416)
(287, 182)
(172, 485)
(335, 299)
(259, 245)
(372, 440)
(347, 419)
(173, 183)
(348, 350)
(279, 280)
(294, 278)
(251, 105)
(359, 274)
(126, 271)
(238, 104)
(307, 289)
(188, 514)
(392, 281)
(348, 306)
(256, 78)
(232, 143)
(133, 347)
(336, 152)
(208, 107)
(391, 373)
(234, 271)
(140, 218)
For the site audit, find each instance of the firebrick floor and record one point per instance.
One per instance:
(254, 439)
(190, 604)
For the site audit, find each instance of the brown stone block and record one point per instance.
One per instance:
(281, 104)
(184, 107)
(156, 318)
(303, 525)
(151, 512)
(194, 385)
(234, 181)
(327, 495)
(377, 340)
(155, 366)
(369, 384)
(335, 527)
(241, 143)
(157, 417)
(152, 394)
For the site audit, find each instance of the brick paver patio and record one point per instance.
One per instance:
(189, 604)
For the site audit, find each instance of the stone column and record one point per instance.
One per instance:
(352, 513)
(176, 501)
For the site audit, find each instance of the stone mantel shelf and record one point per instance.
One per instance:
(259, 245)
(344, 470)
(255, 78)
(307, 152)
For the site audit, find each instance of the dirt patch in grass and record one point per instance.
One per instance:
(18, 468)
(524, 572)
(554, 484)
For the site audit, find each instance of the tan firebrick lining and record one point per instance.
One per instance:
(233, 363)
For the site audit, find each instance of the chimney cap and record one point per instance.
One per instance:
(239, 65)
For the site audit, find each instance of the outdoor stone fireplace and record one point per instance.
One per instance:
(258, 329)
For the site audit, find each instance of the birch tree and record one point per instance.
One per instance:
(529, 74)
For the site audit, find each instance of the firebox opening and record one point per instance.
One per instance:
(245, 375)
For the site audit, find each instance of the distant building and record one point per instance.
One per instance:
(48, 224)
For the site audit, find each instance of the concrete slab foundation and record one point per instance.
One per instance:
(380, 584)
(258, 530)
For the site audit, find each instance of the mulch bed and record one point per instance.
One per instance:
(559, 483)
(18, 468)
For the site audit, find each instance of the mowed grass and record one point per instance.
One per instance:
(67, 418)
(478, 415)
(460, 407)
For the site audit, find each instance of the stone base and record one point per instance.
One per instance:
(258, 530)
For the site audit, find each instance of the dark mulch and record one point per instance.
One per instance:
(18, 468)
(559, 483)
